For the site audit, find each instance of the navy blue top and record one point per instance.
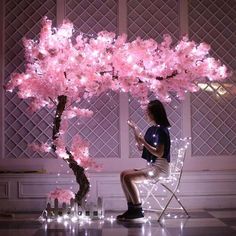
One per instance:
(154, 136)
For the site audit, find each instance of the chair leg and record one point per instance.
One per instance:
(165, 208)
(181, 205)
(173, 195)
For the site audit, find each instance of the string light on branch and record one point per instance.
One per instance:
(150, 188)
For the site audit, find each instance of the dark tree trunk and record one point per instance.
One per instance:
(78, 171)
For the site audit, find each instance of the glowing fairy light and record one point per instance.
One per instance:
(95, 53)
(65, 217)
(58, 66)
(83, 79)
(150, 173)
(129, 59)
(74, 219)
(111, 219)
(181, 146)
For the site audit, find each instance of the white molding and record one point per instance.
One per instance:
(198, 189)
(122, 16)
(26, 205)
(25, 189)
(123, 97)
(123, 131)
(220, 156)
(183, 16)
(2, 76)
(5, 186)
(60, 11)
(186, 104)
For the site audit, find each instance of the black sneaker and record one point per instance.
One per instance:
(136, 215)
(122, 216)
(130, 207)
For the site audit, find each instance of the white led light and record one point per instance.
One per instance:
(65, 223)
(74, 219)
(150, 173)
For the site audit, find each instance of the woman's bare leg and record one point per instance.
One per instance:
(122, 175)
(130, 180)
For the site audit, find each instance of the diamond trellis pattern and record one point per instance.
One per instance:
(102, 129)
(92, 16)
(152, 19)
(173, 110)
(214, 22)
(214, 108)
(22, 18)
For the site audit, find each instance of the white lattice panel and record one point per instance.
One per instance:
(214, 108)
(214, 22)
(22, 18)
(92, 16)
(152, 19)
(102, 129)
(173, 110)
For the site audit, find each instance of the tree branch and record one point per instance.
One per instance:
(78, 171)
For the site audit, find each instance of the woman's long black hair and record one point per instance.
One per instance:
(157, 110)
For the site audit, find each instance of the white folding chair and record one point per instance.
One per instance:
(170, 183)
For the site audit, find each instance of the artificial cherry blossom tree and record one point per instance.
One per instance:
(62, 70)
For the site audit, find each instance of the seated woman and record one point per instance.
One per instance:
(155, 147)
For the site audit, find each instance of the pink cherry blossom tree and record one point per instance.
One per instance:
(61, 71)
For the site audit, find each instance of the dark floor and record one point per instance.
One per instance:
(218, 222)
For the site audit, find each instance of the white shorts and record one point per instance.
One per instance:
(160, 168)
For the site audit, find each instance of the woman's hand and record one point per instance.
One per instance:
(135, 129)
(132, 124)
(137, 134)
(140, 139)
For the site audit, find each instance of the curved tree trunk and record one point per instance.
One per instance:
(78, 171)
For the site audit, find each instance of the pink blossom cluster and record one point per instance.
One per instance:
(74, 111)
(85, 67)
(63, 195)
(57, 64)
(80, 151)
(41, 147)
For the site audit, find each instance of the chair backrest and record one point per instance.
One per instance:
(178, 152)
